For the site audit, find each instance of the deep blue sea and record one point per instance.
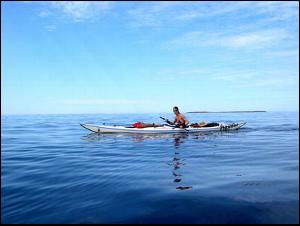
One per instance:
(55, 171)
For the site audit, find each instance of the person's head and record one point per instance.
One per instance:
(176, 110)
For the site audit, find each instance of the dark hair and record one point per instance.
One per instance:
(175, 108)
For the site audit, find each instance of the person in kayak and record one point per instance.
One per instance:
(180, 120)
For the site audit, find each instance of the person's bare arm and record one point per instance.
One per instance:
(175, 120)
(185, 120)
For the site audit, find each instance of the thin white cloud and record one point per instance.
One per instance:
(50, 28)
(284, 53)
(172, 74)
(258, 39)
(192, 71)
(242, 78)
(259, 78)
(270, 82)
(163, 14)
(156, 14)
(76, 11)
(44, 13)
(104, 101)
(288, 8)
(249, 40)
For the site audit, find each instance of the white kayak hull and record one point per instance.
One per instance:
(162, 129)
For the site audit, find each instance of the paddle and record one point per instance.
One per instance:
(167, 121)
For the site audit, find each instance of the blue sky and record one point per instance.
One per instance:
(138, 57)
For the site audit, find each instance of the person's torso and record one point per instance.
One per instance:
(180, 119)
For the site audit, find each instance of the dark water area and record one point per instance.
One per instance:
(54, 171)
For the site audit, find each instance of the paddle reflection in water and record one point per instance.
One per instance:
(178, 161)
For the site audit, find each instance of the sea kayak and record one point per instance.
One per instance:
(160, 129)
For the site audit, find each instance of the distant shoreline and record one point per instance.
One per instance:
(224, 111)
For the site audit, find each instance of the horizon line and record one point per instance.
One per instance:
(188, 112)
(224, 111)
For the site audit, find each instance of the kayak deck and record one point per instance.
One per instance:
(161, 129)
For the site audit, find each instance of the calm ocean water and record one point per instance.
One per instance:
(54, 171)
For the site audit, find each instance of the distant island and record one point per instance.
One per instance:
(223, 111)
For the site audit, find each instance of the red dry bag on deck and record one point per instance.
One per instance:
(138, 125)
